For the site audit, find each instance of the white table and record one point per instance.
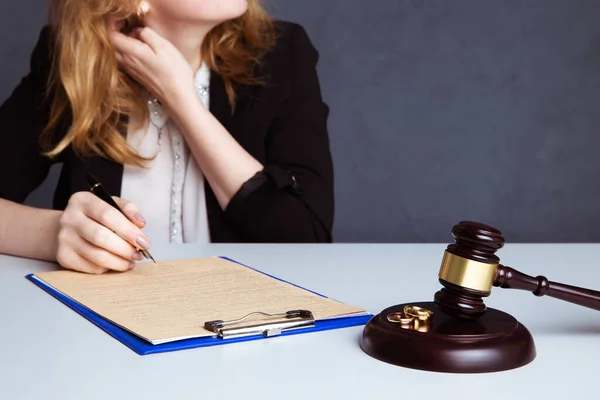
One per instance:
(50, 352)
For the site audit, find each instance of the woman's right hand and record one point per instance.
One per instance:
(87, 241)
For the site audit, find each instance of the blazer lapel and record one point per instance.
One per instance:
(219, 104)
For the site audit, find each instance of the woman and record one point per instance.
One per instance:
(203, 117)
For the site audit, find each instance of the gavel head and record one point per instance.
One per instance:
(468, 270)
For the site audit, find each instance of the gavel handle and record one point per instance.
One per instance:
(510, 278)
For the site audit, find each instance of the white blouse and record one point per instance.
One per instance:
(170, 191)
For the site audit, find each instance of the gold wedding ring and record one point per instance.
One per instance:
(418, 313)
(400, 318)
(413, 318)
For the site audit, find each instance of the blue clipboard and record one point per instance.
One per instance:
(142, 347)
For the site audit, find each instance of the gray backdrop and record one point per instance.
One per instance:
(441, 111)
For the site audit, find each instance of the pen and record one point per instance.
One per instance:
(97, 188)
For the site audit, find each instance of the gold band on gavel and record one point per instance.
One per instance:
(467, 273)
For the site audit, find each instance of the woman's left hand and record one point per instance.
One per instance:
(154, 63)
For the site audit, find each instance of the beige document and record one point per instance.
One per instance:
(173, 300)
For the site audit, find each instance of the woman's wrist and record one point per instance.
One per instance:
(185, 104)
(29, 232)
(45, 238)
(53, 230)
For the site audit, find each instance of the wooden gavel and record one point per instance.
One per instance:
(470, 269)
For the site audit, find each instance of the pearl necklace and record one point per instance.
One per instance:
(159, 119)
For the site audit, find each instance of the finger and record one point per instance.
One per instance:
(131, 68)
(99, 256)
(130, 64)
(103, 238)
(131, 211)
(68, 259)
(127, 65)
(150, 37)
(83, 265)
(113, 219)
(131, 46)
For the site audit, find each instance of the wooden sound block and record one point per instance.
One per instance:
(494, 342)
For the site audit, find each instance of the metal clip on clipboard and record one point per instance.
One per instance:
(294, 319)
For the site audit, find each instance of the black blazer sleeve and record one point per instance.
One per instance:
(292, 199)
(23, 116)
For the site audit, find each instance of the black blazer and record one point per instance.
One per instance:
(283, 124)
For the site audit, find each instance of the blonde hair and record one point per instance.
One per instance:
(87, 84)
